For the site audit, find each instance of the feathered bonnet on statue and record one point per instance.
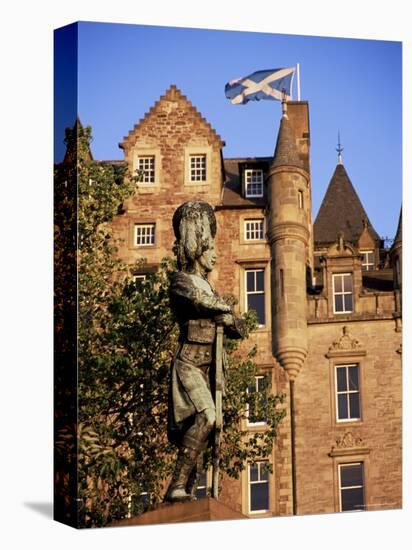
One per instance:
(198, 309)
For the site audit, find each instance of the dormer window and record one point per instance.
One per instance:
(253, 183)
(342, 293)
(368, 260)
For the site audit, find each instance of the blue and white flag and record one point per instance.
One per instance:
(269, 84)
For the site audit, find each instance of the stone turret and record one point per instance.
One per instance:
(290, 238)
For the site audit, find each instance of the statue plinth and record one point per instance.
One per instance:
(204, 509)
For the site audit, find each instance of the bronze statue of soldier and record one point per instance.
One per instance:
(198, 310)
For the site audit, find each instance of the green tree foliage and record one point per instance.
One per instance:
(126, 340)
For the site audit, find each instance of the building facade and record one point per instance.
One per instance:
(327, 296)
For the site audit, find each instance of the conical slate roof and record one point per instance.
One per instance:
(286, 153)
(341, 210)
(398, 238)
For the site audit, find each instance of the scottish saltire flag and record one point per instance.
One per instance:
(268, 84)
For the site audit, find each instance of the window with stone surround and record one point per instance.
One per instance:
(258, 483)
(368, 260)
(253, 182)
(146, 167)
(351, 487)
(254, 230)
(197, 168)
(255, 293)
(348, 406)
(342, 293)
(257, 393)
(144, 234)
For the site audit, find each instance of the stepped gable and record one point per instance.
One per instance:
(174, 95)
(286, 152)
(341, 211)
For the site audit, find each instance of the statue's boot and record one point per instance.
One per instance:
(194, 476)
(193, 444)
(185, 463)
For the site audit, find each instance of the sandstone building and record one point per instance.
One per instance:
(327, 295)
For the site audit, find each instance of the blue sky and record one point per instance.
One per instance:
(353, 86)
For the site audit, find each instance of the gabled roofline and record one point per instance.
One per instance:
(172, 94)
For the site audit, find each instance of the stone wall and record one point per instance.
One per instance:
(374, 440)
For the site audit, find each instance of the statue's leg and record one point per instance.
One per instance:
(193, 481)
(184, 465)
(193, 445)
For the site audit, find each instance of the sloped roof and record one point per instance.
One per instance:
(172, 94)
(381, 279)
(232, 191)
(398, 237)
(341, 210)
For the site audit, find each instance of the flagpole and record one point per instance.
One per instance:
(298, 79)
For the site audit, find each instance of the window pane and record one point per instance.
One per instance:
(257, 302)
(264, 472)
(144, 499)
(351, 475)
(256, 405)
(254, 183)
(262, 383)
(202, 486)
(339, 303)
(147, 165)
(353, 378)
(259, 496)
(253, 472)
(342, 406)
(260, 280)
(250, 281)
(251, 388)
(338, 283)
(201, 492)
(341, 378)
(253, 416)
(354, 405)
(347, 283)
(198, 168)
(254, 230)
(348, 302)
(352, 499)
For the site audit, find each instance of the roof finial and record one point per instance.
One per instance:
(339, 149)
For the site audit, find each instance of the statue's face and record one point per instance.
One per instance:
(208, 259)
